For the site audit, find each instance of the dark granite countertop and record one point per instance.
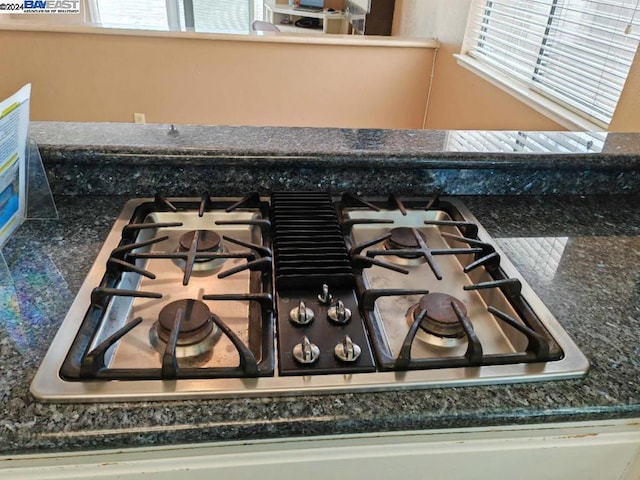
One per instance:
(67, 138)
(132, 159)
(580, 254)
(564, 206)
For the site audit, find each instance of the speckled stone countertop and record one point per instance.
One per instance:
(129, 159)
(592, 287)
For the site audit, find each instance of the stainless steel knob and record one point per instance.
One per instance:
(347, 351)
(301, 315)
(325, 297)
(338, 313)
(306, 352)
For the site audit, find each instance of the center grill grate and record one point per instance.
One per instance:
(309, 249)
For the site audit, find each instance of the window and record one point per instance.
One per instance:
(221, 16)
(574, 53)
(147, 14)
(211, 16)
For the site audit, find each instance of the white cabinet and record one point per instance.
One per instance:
(603, 451)
(331, 22)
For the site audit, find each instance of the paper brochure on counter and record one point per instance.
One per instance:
(14, 127)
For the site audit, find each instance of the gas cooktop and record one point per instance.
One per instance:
(297, 293)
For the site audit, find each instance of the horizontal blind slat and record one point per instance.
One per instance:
(531, 26)
(577, 99)
(614, 68)
(627, 46)
(594, 86)
(592, 113)
(566, 7)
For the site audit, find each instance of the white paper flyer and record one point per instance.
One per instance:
(14, 128)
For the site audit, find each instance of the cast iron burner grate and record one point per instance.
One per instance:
(539, 346)
(84, 361)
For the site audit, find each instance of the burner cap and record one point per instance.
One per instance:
(208, 241)
(403, 237)
(196, 321)
(441, 320)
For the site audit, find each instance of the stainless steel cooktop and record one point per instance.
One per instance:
(299, 293)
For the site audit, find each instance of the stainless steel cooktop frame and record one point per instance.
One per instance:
(49, 386)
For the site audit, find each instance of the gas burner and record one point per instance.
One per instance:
(440, 326)
(208, 241)
(403, 238)
(198, 333)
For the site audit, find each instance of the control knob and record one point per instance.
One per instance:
(347, 351)
(301, 315)
(338, 313)
(306, 352)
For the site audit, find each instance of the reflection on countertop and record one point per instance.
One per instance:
(525, 142)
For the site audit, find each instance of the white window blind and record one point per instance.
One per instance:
(575, 52)
(211, 16)
(221, 16)
(144, 14)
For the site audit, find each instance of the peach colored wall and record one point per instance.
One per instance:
(460, 99)
(627, 116)
(103, 77)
